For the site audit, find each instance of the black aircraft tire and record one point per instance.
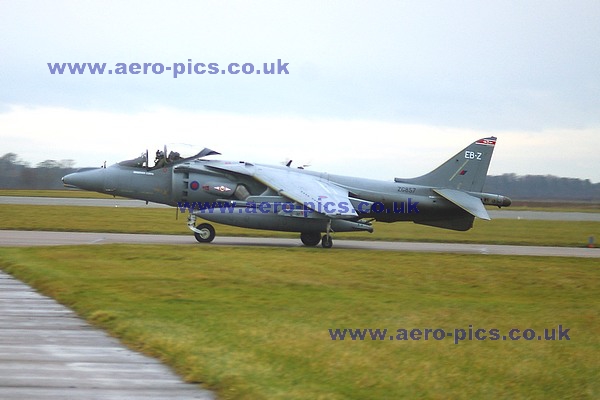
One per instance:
(327, 242)
(207, 235)
(310, 239)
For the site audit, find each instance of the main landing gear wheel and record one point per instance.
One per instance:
(310, 238)
(327, 242)
(207, 233)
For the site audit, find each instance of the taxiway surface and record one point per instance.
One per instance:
(48, 353)
(41, 238)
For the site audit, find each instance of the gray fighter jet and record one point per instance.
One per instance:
(284, 198)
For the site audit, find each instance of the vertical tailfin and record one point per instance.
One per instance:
(466, 171)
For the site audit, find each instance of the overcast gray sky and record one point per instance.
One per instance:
(375, 89)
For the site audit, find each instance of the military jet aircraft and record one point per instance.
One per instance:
(284, 198)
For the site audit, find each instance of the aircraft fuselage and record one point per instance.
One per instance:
(297, 200)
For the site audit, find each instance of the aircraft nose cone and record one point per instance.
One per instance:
(68, 180)
(87, 179)
(506, 202)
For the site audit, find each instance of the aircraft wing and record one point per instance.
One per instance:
(313, 192)
(470, 204)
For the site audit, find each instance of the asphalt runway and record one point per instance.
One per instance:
(40, 238)
(494, 214)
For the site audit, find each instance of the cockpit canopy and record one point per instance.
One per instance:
(161, 160)
(139, 162)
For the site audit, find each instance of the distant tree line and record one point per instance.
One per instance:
(543, 187)
(18, 174)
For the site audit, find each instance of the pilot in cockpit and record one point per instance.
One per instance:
(159, 161)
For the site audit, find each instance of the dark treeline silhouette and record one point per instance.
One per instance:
(17, 174)
(543, 188)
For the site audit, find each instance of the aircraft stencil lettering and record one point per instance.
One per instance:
(316, 204)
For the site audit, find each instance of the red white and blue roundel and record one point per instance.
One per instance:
(194, 185)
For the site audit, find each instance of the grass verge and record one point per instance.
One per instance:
(252, 323)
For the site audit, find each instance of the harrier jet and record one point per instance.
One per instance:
(284, 198)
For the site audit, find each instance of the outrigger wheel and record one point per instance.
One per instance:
(327, 242)
(206, 234)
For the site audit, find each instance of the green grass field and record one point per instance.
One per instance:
(252, 323)
(159, 220)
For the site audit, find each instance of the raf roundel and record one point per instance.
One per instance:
(194, 185)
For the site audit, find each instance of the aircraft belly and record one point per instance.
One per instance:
(277, 222)
(272, 222)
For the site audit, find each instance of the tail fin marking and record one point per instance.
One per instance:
(466, 171)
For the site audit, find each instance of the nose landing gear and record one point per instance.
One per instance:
(204, 233)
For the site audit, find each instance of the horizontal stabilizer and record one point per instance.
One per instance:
(470, 204)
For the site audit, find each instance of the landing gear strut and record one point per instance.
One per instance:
(204, 233)
(327, 241)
